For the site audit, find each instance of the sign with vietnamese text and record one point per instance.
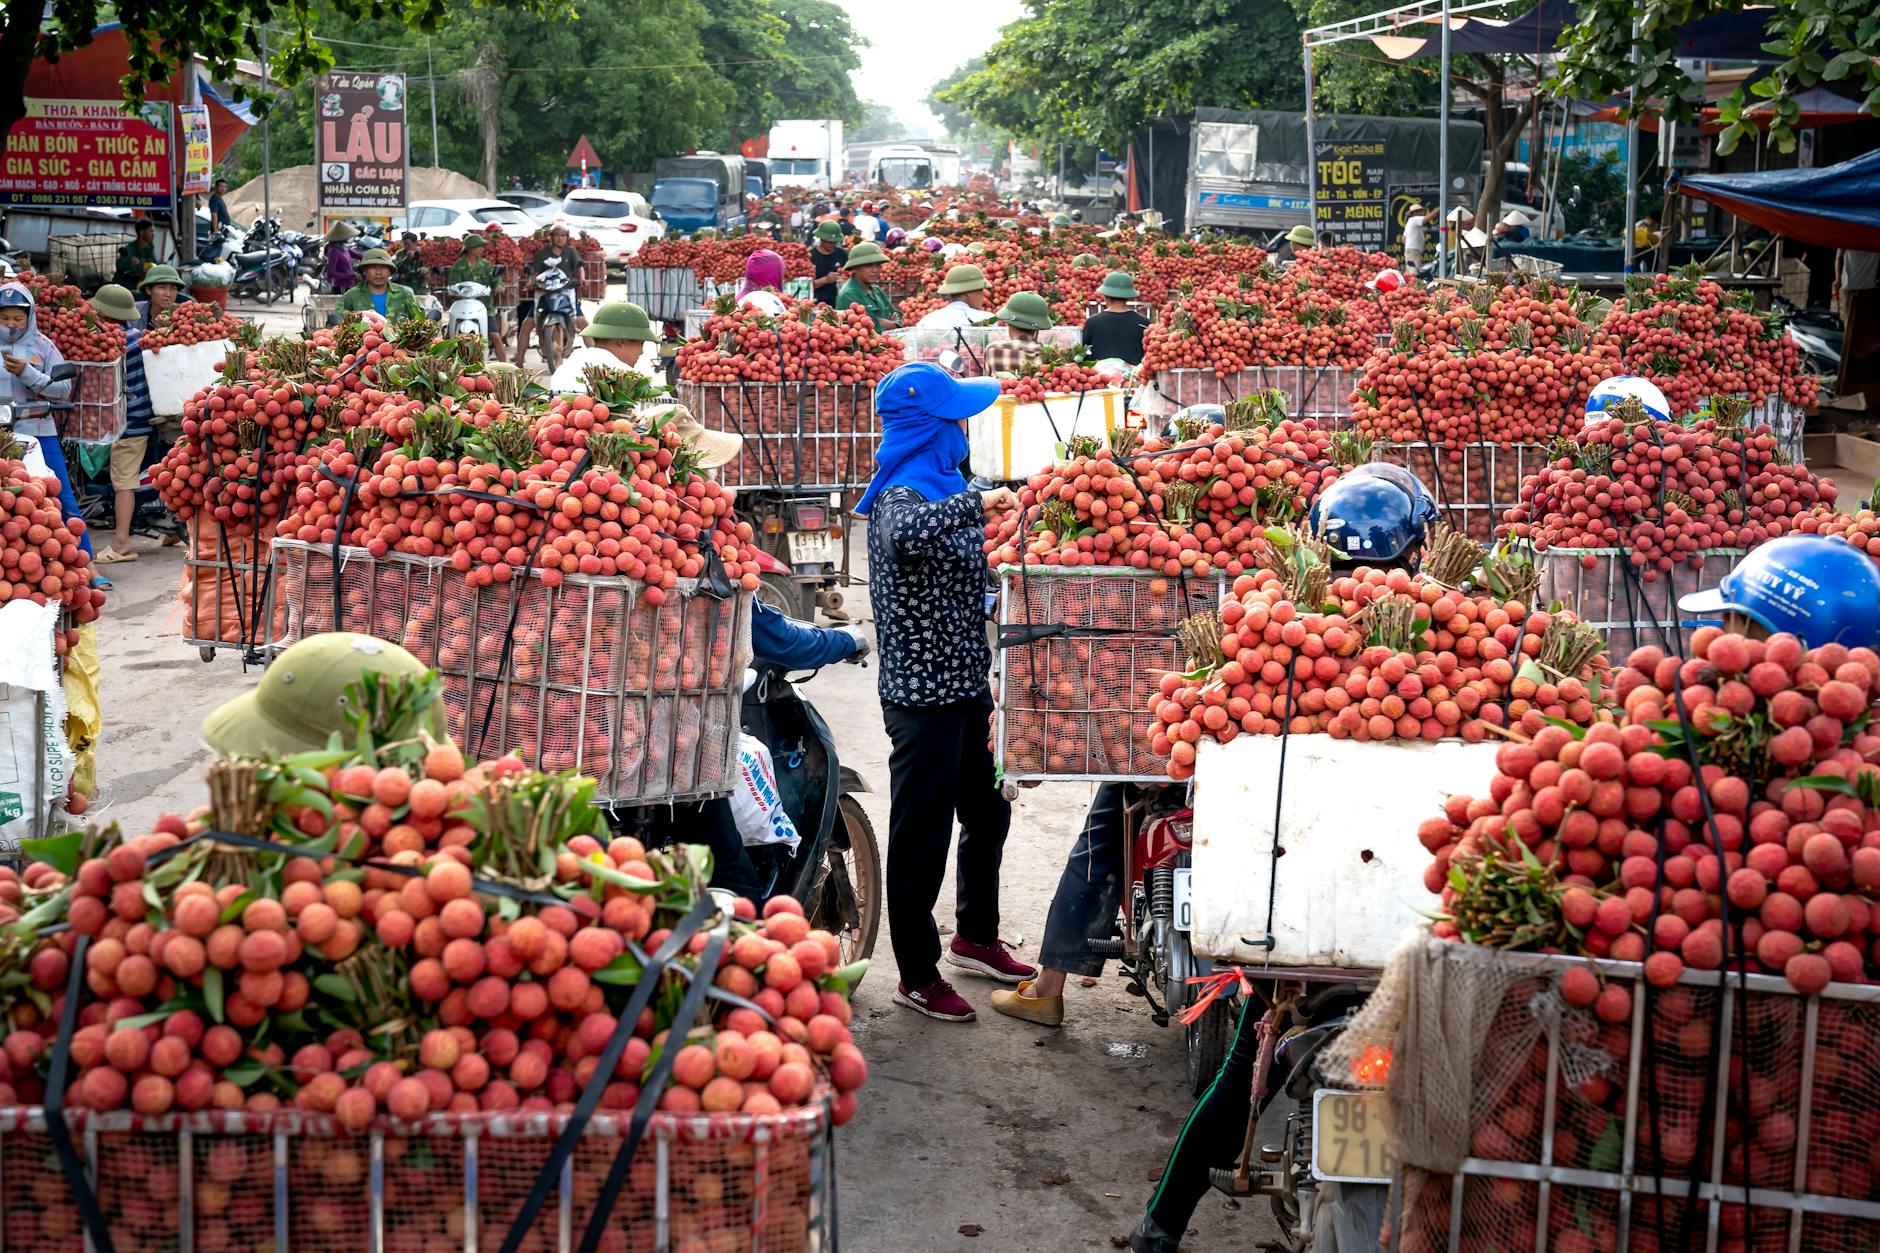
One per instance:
(88, 152)
(197, 152)
(1351, 183)
(360, 144)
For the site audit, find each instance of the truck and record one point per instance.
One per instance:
(806, 152)
(705, 189)
(908, 166)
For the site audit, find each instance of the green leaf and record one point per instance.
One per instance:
(852, 973)
(233, 909)
(61, 852)
(244, 1073)
(1574, 729)
(1823, 783)
(600, 868)
(335, 986)
(622, 971)
(212, 992)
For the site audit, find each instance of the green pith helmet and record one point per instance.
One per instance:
(301, 698)
(621, 319)
(1118, 285)
(865, 254)
(115, 302)
(1301, 237)
(474, 240)
(1084, 261)
(377, 256)
(961, 279)
(831, 231)
(161, 274)
(1028, 311)
(1060, 219)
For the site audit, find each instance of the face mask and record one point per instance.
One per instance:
(12, 334)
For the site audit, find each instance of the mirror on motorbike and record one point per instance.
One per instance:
(61, 372)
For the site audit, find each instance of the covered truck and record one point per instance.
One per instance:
(697, 191)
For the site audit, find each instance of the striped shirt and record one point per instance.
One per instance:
(136, 390)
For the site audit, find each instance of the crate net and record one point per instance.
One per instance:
(796, 435)
(225, 587)
(1631, 612)
(1474, 484)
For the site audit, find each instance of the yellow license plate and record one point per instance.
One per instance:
(1349, 1142)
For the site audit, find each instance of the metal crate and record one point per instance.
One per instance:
(666, 292)
(1474, 484)
(320, 307)
(1322, 392)
(1073, 706)
(593, 277)
(807, 436)
(1593, 584)
(297, 1180)
(86, 260)
(99, 413)
(1573, 1169)
(584, 675)
(225, 591)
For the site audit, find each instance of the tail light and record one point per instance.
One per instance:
(1373, 1066)
(808, 518)
(1181, 829)
(627, 228)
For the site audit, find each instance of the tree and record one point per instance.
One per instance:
(821, 51)
(877, 122)
(1592, 192)
(1501, 131)
(1355, 77)
(747, 37)
(1823, 41)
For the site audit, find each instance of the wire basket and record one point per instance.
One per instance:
(808, 436)
(1082, 655)
(225, 588)
(593, 279)
(86, 260)
(586, 675)
(319, 310)
(1630, 612)
(1583, 1133)
(1322, 392)
(666, 292)
(99, 413)
(291, 1180)
(1474, 484)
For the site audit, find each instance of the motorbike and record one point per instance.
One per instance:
(555, 309)
(469, 311)
(802, 539)
(267, 269)
(1818, 337)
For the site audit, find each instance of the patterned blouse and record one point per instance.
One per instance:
(927, 584)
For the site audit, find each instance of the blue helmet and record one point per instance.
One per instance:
(1817, 587)
(1425, 512)
(1369, 519)
(1611, 391)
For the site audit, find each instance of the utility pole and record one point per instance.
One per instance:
(267, 173)
(1442, 157)
(430, 76)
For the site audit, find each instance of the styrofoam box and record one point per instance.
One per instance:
(1013, 441)
(1350, 877)
(180, 371)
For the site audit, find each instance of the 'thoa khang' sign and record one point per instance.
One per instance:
(88, 152)
(361, 144)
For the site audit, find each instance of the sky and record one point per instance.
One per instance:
(912, 48)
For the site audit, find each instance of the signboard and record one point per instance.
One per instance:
(361, 143)
(88, 152)
(1240, 200)
(1351, 183)
(194, 122)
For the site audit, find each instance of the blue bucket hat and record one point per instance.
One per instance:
(920, 406)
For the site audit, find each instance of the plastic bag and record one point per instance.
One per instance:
(35, 763)
(84, 712)
(755, 803)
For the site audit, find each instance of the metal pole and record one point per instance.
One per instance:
(1312, 130)
(1442, 152)
(267, 169)
(1631, 171)
(430, 76)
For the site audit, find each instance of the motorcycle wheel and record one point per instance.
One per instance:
(546, 341)
(847, 900)
(1208, 1039)
(786, 595)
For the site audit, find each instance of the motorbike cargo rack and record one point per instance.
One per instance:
(1473, 483)
(99, 411)
(1322, 392)
(1630, 612)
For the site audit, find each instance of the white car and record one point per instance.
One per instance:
(453, 219)
(542, 208)
(621, 220)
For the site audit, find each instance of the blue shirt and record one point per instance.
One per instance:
(782, 641)
(138, 417)
(378, 301)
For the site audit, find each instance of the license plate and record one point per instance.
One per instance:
(1184, 898)
(812, 548)
(1349, 1142)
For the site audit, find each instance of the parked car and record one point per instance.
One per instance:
(538, 205)
(453, 219)
(621, 220)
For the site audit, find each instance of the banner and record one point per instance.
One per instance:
(193, 120)
(361, 144)
(1352, 186)
(88, 152)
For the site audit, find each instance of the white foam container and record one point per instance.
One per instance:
(1012, 441)
(178, 372)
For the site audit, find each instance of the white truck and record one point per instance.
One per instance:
(806, 153)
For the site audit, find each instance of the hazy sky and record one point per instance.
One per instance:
(911, 48)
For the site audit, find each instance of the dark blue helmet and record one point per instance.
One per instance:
(1369, 519)
(1817, 587)
(1411, 484)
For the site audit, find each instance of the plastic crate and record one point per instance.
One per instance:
(1559, 1161)
(1630, 613)
(645, 699)
(808, 436)
(99, 403)
(225, 589)
(1074, 706)
(1322, 392)
(1474, 484)
(226, 1180)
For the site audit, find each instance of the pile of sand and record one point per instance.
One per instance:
(291, 193)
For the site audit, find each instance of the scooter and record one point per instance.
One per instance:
(1818, 337)
(469, 313)
(555, 308)
(267, 273)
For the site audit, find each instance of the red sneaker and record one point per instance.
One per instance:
(936, 1000)
(995, 960)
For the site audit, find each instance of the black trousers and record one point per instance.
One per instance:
(710, 823)
(941, 766)
(1214, 1133)
(1091, 887)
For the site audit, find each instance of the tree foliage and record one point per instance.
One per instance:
(1355, 77)
(1823, 42)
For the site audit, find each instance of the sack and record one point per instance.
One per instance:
(35, 764)
(755, 803)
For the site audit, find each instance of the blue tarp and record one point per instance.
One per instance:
(1730, 36)
(1835, 207)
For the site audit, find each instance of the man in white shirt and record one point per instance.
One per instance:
(966, 284)
(1415, 232)
(867, 225)
(616, 338)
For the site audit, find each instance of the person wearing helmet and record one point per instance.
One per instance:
(558, 255)
(763, 283)
(376, 293)
(135, 258)
(967, 287)
(895, 238)
(616, 338)
(1117, 331)
(27, 385)
(1607, 394)
(1423, 510)
(1298, 238)
(163, 290)
(826, 260)
(1060, 219)
(1024, 314)
(1818, 588)
(1369, 519)
(1385, 281)
(932, 243)
(867, 226)
(471, 267)
(303, 698)
(864, 286)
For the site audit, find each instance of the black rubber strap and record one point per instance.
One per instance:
(61, 1135)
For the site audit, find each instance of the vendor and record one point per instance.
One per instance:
(27, 385)
(162, 287)
(1416, 225)
(1512, 229)
(927, 573)
(135, 258)
(762, 289)
(616, 338)
(864, 286)
(967, 286)
(1117, 331)
(302, 698)
(1818, 588)
(376, 293)
(473, 267)
(1297, 238)
(1024, 314)
(114, 304)
(826, 260)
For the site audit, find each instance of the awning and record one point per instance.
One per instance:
(1733, 36)
(1835, 207)
(93, 73)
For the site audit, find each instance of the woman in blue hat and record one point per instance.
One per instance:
(927, 571)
